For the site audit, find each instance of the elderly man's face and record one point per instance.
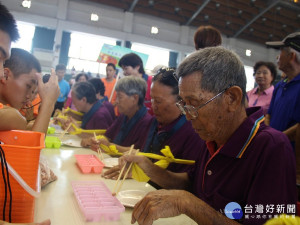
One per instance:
(212, 117)
(4, 50)
(283, 59)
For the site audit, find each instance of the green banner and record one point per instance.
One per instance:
(112, 54)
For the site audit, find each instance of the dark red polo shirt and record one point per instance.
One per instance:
(255, 167)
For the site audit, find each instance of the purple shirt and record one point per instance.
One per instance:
(137, 134)
(262, 173)
(262, 100)
(102, 118)
(184, 144)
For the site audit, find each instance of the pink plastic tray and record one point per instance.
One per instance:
(96, 201)
(89, 163)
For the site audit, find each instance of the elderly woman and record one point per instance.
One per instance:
(98, 114)
(265, 74)
(170, 127)
(81, 77)
(133, 123)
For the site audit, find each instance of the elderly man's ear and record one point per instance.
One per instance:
(233, 98)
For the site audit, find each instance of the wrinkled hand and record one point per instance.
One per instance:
(158, 204)
(96, 144)
(112, 173)
(57, 120)
(49, 91)
(142, 161)
(86, 142)
(65, 123)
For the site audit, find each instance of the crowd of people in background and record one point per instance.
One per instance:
(246, 145)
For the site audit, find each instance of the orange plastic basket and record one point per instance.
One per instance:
(22, 152)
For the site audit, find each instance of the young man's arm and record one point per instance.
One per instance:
(11, 119)
(49, 93)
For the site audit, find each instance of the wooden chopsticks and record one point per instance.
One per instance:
(100, 156)
(117, 187)
(65, 131)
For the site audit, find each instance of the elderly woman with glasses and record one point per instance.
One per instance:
(169, 127)
(265, 74)
(133, 123)
(244, 163)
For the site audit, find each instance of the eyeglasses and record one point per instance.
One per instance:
(193, 111)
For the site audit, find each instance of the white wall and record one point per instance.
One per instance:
(74, 15)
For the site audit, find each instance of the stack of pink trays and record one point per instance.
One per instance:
(89, 163)
(96, 201)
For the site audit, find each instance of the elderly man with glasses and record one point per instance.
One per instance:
(246, 172)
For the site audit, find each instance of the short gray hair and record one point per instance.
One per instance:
(220, 68)
(290, 50)
(85, 89)
(132, 85)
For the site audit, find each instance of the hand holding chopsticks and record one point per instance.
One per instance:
(117, 187)
(98, 150)
(65, 131)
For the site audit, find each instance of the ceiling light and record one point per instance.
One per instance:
(240, 12)
(283, 25)
(251, 29)
(228, 23)
(264, 19)
(154, 30)
(248, 52)
(217, 4)
(177, 9)
(94, 17)
(206, 17)
(26, 4)
(151, 2)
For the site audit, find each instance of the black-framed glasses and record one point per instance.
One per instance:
(193, 111)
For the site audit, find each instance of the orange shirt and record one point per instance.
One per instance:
(1, 106)
(108, 89)
(36, 106)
